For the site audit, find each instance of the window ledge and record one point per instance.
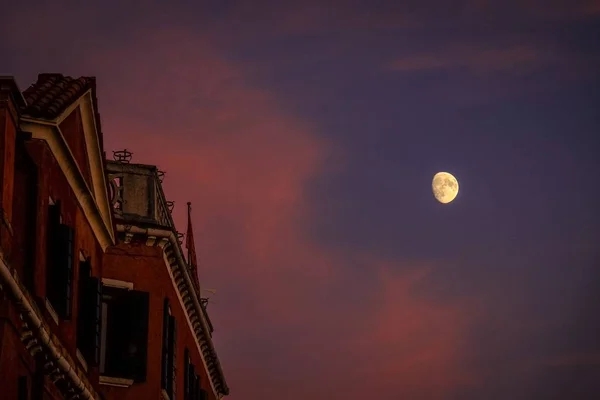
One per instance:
(117, 283)
(51, 311)
(81, 360)
(118, 382)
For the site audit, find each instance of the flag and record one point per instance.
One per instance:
(189, 245)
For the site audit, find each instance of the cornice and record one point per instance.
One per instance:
(195, 313)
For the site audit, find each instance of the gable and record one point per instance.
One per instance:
(72, 130)
(92, 143)
(63, 111)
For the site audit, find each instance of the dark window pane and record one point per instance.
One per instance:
(60, 279)
(89, 319)
(127, 334)
(22, 388)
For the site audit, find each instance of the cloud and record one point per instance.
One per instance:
(294, 318)
(479, 60)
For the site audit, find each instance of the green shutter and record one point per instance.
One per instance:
(51, 250)
(165, 346)
(186, 374)
(173, 357)
(62, 272)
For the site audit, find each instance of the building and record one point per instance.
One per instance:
(97, 298)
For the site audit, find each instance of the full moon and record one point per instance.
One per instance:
(445, 187)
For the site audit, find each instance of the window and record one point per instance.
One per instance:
(22, 388)
(169, 352)
(59, 263)
(124, 334)
(89, 316)
(24, 217)
(192, 386)
(186, 374)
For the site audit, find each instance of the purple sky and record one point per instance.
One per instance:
(306, 135)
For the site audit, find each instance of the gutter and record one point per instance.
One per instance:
(45, 337)
(170, 235)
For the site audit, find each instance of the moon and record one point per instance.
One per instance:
(445, 187)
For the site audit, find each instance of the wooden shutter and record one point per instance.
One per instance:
(138, 309)
(173, 357)
(196, 387)
(203, 395)
(95, 288)
(51, 249)
(89, 319)
(192, 382)
(165, 346)
(186, 374)
(62, 274)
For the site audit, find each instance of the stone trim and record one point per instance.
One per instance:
(51, 134)
(42, 344)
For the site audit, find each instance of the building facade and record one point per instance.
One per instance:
(97, 298)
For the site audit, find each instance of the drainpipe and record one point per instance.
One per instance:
(169, 234)
(45, 337)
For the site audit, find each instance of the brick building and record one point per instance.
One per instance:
(97, 298)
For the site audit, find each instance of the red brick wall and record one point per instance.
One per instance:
(145, 267)
(72, 131)
(15, 361)
(7, 156)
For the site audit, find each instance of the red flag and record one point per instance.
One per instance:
(189, 245)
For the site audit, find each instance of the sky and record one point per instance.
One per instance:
(306, 135)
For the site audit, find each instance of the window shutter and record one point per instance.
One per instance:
(196, 387)
(192, 382)
(51, 249)
(62, 274)
(138, 309)
(165, 345)
(173, 357)
(95, 287)
(186, 374)
(203, 394)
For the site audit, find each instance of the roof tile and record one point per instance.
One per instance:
(53, 93)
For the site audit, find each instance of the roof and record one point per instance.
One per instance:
(53, 93)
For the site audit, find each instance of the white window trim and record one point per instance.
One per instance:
(118, 382)
(115, 283)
